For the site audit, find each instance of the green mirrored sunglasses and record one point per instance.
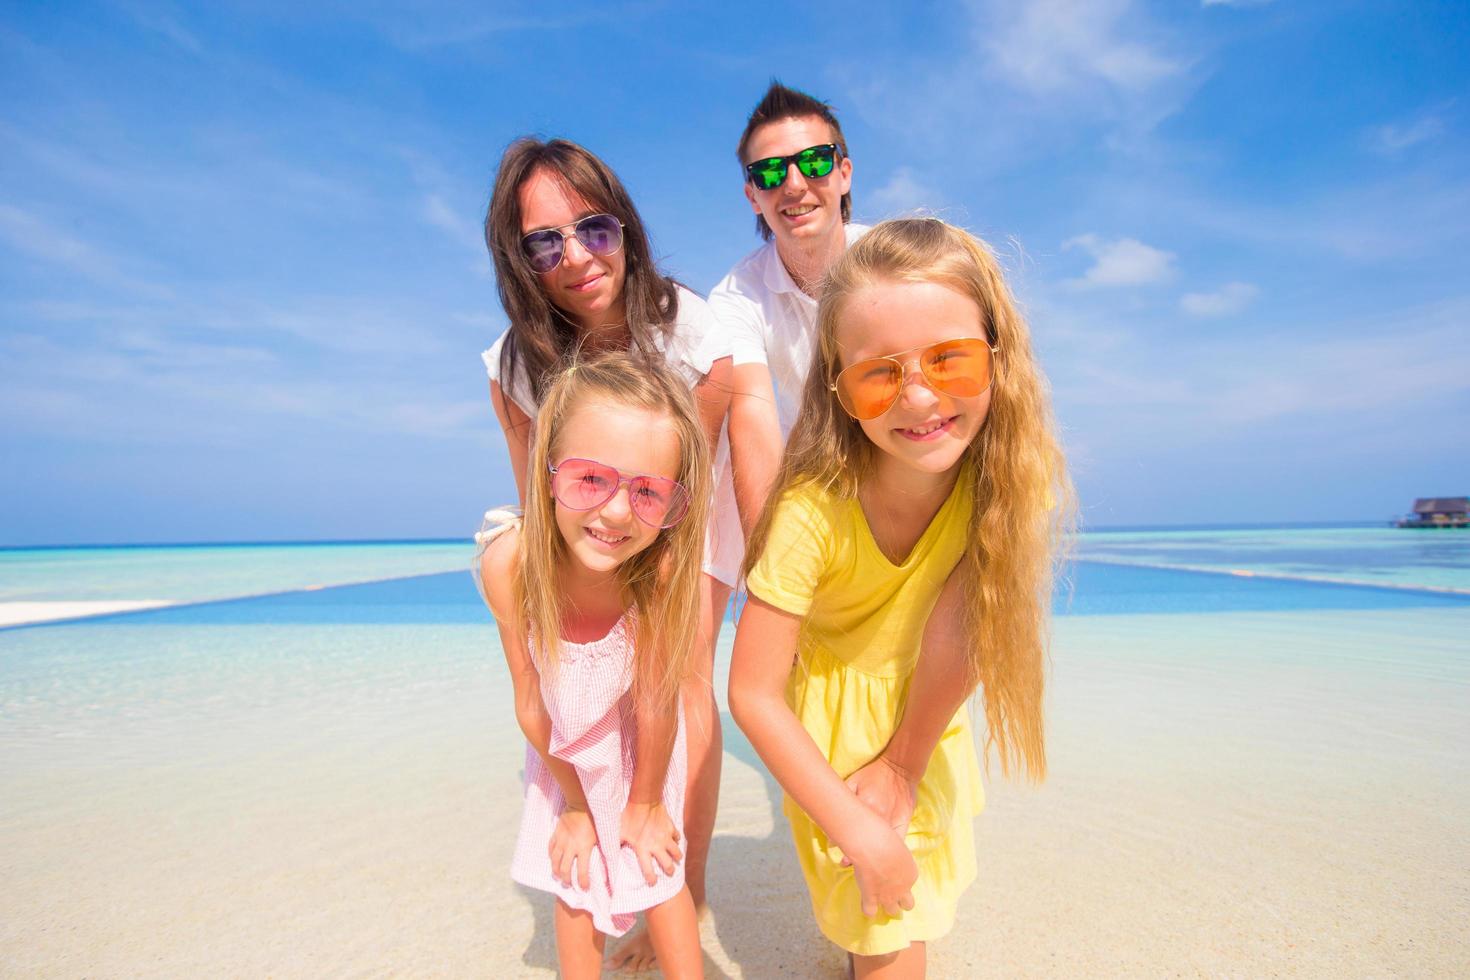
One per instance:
(814, 161)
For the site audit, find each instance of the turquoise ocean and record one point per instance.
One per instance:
(316, 739)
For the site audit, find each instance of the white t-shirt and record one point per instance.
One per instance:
(772, 322)
(697, 340)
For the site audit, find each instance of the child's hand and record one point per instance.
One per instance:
(571, 842)
(885, 869)
(888, 791)
(649, 830)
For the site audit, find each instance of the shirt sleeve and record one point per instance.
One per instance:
(519, 389)
(741, 320)
(796, 554)
(490, 357)
(698, 338)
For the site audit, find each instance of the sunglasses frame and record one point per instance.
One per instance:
(552, 468)
(786, 162)
(903, 374)
(562, 241)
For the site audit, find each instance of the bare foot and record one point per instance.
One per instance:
(634, 954)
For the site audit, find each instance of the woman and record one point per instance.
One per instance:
(575, 271)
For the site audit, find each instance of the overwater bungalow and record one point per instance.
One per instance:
(1438, 512)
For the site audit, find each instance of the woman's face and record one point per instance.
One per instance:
(587, 287)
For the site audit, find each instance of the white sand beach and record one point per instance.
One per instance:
(21, 613)
(1244, 794)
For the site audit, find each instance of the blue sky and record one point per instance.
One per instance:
(243, 291)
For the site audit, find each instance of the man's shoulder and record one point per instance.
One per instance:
(746, 278)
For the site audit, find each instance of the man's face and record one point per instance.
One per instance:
(803, 209)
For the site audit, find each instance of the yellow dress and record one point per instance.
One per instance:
(863, 621)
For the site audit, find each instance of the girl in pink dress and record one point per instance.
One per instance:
(596, 593)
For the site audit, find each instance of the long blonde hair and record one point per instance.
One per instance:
(659, 583)
(1024, 503)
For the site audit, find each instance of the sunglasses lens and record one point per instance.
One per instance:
(869, 388)
(657, 501)
(543, 250)
(581, 484)
(958, 367)
(600, 234)
(768, 174)
(816, 161)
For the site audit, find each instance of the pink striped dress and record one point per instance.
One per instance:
(593, 728)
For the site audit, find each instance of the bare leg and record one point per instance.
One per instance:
(674, 928)
(906, 964)
(706, 753)
(578, 943)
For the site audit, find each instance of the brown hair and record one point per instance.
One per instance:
(541, 335)
(1023, 499)
(780, 103)
(661, 582)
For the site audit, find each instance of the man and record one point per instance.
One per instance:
(798, 179)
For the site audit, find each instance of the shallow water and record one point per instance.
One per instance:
(1388, 556)
(1249, 776)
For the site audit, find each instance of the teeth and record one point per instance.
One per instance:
(925, 430)
(606, 539)
(798, 212)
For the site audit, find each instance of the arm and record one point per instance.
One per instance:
(889, 784)
(712, 396)
(765, 647)
(574, 837)
(516, 425)
(755, 439)
(646, 826)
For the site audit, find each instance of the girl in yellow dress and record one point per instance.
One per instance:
(923, 474)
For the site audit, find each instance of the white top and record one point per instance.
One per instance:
(696, 342)
(698, 339)
(771, 321)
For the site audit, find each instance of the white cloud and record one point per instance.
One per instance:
(343, 325)
(904, 193)
(1414, 357)
(463, 232)
(145, 385)
(28, 234)
(1395, 138)
(1229, 298)
(162, 22)
(1123, 262)
(1051, 46)
(1018, 80)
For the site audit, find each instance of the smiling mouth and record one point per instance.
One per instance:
(611, 540)
(585, 283)
(799, 211)
(928, 429)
